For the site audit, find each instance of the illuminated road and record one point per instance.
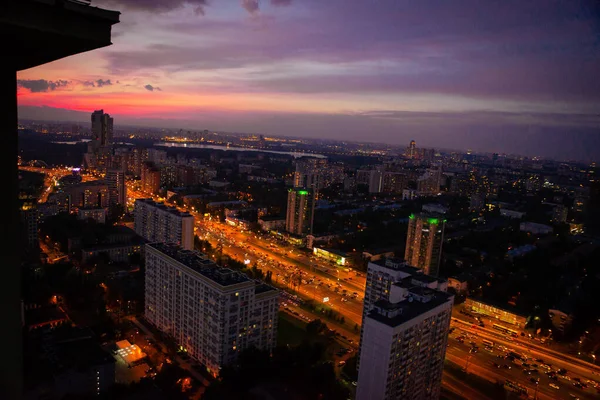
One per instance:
(317, 285)
(320, 281)
(482, 362)
(52, 175)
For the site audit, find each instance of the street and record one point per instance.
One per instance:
(343, 291)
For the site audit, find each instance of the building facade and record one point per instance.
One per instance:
(300, 211)
(212, 312)
(424, 242)
(93, 194)
(310, 173)
(404, 333)
(150, 178)
(29, 220)
(429, 183)
(117, 192)
(97, 214)
(157, 222)
(102, 128)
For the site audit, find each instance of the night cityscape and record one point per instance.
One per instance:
(290, 200)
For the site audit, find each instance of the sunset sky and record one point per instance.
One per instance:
(509, 76)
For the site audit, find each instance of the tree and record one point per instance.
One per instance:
(315, 327)
(289, 369)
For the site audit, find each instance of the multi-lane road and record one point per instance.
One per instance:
(344, 290)
(491, 363)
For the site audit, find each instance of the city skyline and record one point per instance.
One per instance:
(498, 78)
(280, 212)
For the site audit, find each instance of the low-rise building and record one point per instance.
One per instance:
(434, 208)
(520, 251)
(501, 314)
(459, 283)
(377, 254)
(409, 194)
(561, 321)
(271, 223)
(536, 229)
(335, 256)
(505, 212)
(120, 253)
(77, 362)
(97, 214)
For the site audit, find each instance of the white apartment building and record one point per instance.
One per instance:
(211, 311)
(404, 335)
(157, 222)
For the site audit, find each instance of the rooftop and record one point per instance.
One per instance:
(397, 264)
(426, 278)
(272, 218)
(163, 207)
(410, 308)
(333, 251)
(75, 348)
(200, 263)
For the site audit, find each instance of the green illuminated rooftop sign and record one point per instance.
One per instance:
(302, 192)
(433, 221)
(411, 216)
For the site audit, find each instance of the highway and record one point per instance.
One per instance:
(321, 279)
(288, 265)
(482, 362)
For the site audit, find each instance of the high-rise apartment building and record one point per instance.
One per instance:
(92, 194)
(117, 190)
(300, 211)
(395, 182)
(150, 178)
(29, 221)
(376, 181)
(429, 183)
(137, 158)
(102, 128)
(157, 222)
(404, 333)
(424, 242)
(411, 150)
(212, 312)
(559, 214)
(310, 173)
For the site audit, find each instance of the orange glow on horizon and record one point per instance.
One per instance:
(161, 104)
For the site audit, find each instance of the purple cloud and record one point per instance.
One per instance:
(103, 82)
(152, 88)
(158, 5)
(251, 6)
(281, 2)
(41, 85)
